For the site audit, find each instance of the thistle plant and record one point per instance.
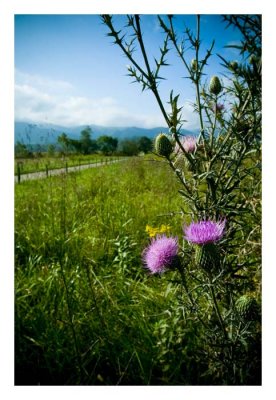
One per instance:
(219, 176)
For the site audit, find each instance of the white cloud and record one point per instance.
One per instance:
(188, 114)
(39, 99)
(52, 85)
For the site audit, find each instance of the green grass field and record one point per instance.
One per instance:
(86, 310)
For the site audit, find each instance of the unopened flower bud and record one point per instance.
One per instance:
(194, 64)
(234, 65)
(215, 85)
(247, 307)
(163, 145)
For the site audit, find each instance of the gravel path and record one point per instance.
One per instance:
(52, 172)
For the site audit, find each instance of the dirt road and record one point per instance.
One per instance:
(52, 172)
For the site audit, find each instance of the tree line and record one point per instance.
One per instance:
(106, 145)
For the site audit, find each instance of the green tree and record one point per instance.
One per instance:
(21, 151)
(75, 145)
(144, 144)
(51, 150)
(107, 144)
(64, 141)
(87, 144)
(129, 147)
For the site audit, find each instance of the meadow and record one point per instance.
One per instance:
(85, 307)
(86, 310)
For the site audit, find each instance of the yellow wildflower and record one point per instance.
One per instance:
(153, 231)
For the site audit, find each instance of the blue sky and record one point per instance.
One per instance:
(68, 72)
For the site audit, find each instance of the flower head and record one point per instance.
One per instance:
(215, 85)
(188, 143)
(218, 107)
(163, 145)
(204, 232)
(161, 253)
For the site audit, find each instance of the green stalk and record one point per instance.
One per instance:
(61, 261)
(217, 307)
(150, 77)
(181, 180)
(213, 128)
(184, 283)
(197, 84)
(70, 314)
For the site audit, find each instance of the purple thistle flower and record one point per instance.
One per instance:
(188, 143)
(219, 107)
(204, 232)
(160, 253)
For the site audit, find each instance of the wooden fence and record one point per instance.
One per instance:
(67, 168)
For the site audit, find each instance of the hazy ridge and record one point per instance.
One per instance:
(43, 133)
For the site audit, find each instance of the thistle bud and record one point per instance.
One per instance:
(234, 65)
(194, 64)
(215, 85)
(207, 256)
(163, 145)
(247, 307)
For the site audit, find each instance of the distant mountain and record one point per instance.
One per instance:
(44, 134)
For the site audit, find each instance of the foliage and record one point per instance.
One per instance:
(87, 145)
(51, 150)
(220, 178)
(129, 147)
(145, 144)
(21, 151)
(64, 141)
(107, 144)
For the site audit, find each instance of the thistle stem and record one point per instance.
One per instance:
(150, 77)
(216, 306)
(184, 283)
(197, 83)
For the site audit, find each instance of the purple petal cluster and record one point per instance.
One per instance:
(188, 143)
(219, 107)
(204, 232)
(160, 253)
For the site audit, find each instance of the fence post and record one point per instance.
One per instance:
(47, 171)
(18, 173)
(66, 167)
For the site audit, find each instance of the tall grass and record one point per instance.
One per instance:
(86, 311)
